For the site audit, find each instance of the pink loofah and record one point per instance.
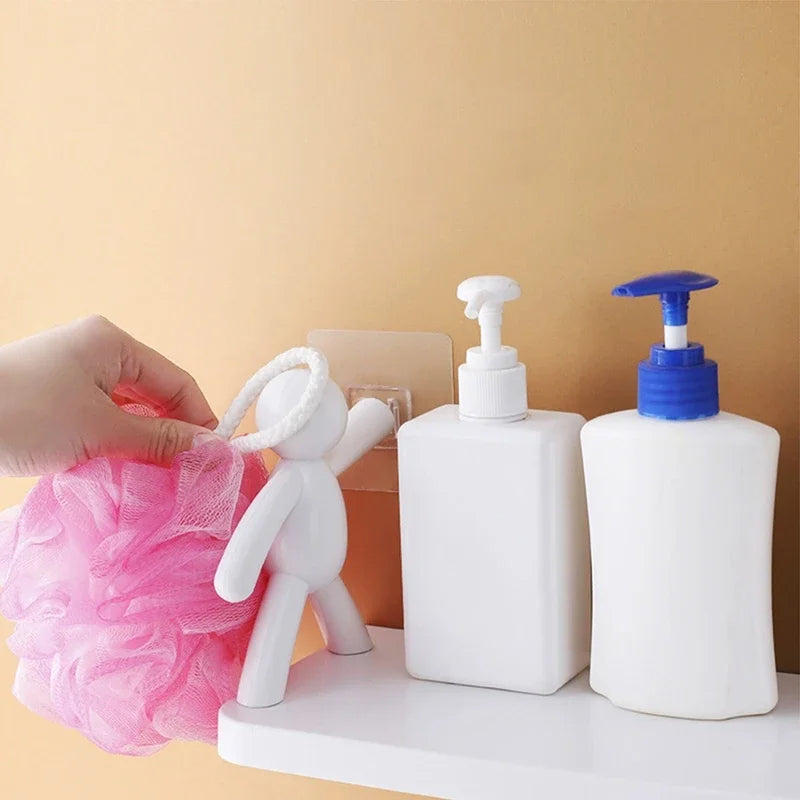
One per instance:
(107, 571)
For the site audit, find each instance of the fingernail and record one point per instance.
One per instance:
(204, 437)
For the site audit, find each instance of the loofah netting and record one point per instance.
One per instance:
(107, 570)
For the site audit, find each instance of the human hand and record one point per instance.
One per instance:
(60, 392)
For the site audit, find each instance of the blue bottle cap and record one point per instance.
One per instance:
(678, 381)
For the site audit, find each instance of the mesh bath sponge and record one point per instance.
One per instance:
(107, 570)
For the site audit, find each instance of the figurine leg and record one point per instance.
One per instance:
(344, 630)
(269, 654)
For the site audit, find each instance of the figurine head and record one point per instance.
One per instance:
(321, 433)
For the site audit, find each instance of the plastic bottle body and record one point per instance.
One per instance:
(495, 551)
(681, 537)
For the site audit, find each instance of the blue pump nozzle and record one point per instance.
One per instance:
(677, 382)
(673, 290)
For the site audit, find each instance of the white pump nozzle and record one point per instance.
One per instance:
(492, 382)
(484, 296)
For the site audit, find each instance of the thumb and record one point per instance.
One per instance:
(154, 439)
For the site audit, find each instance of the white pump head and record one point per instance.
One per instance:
(492, 383)
(484, 296)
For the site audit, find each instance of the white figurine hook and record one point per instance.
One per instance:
(296, 527)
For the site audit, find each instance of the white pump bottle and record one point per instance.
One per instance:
(494, 535)
(681, 498)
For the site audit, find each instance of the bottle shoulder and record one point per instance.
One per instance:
(446, 422)
(721, 426)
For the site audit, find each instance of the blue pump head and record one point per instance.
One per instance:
(678, 381)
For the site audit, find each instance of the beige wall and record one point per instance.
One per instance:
(219, 178)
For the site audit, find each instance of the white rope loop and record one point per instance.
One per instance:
(288, 426)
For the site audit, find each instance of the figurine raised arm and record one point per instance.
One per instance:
(296, 529)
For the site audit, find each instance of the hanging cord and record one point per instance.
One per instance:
(288, 426)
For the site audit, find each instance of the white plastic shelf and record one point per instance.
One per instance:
(362, 720)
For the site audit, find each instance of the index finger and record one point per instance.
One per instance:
(147, 374)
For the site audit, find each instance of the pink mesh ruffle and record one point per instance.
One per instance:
(107, 570)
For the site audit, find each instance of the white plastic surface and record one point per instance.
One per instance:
(495, 550)
(362, 720)
(681, 532)
(296, 528)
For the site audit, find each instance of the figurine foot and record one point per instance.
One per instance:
(259, 701)
(344, 630)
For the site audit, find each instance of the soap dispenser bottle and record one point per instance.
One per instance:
(680, 502)
(494, 535)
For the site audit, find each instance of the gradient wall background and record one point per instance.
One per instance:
(220, 178)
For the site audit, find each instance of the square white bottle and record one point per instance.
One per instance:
(494, 535)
